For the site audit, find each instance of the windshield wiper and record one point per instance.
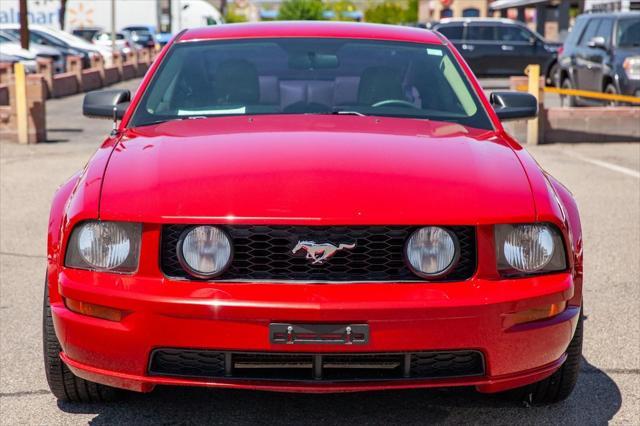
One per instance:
(340, 112)
(166, 120)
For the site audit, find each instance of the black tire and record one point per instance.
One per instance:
(65, 385)
(611, 90)
(559, 385)
(566, 84)
(552, 77)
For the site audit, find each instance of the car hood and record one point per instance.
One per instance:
(15, 49)
(314, 169)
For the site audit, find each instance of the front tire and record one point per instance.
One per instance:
(610, 89)
(65, 385)
(566, 84)
(559, 385)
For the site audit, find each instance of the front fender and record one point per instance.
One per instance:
(76, 200)
(56, 218)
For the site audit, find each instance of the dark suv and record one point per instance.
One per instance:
(499, 47)
(602, 54)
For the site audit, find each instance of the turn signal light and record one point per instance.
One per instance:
(92, 310)
(535, 314)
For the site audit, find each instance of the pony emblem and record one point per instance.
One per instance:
(319, 253)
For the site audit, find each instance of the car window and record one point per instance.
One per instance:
(481, 33)
(604, 30)
(4, 39)
(509, 34)
(310, 76)
(576, 31)
(589, 32)
(452, 32)
(628, 32)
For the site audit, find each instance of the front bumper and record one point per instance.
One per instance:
(402, 317)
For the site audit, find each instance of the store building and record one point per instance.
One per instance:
(434, 10)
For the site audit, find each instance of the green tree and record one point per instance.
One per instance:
(387, 12)
(340, 7)
(392, 12)
(307, 10)
(411, 14)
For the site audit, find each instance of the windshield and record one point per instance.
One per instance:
(310, 76)
(628, 34)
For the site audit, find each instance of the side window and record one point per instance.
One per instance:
(471, 12)
(452, 32)
(510, 34)
(589, 32)
(604, 30)
(481, 33)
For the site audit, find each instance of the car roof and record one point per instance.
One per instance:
(479, 20)
(317, 29)
(631, 14)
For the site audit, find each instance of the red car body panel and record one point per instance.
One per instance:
(312, 170)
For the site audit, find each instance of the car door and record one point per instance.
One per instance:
(582, 71)
(482, 48)
(517, 49)
(596, 54)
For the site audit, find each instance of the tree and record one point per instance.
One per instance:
(307, 10)
(387, 12)
(341, 7)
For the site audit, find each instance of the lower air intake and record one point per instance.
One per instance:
(207, 364)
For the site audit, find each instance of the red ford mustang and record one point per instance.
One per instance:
(312, 207)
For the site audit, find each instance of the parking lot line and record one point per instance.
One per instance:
(605, 164)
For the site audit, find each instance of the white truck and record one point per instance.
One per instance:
(97, 13)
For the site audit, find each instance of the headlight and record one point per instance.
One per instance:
(529, 248)
(631, 66)
(105, 246)
(204, 251)
(432, 251)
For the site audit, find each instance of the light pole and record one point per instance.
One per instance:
(24, 25)
(113, 25)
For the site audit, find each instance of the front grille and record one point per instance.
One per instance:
(264, 253)
(207, 364)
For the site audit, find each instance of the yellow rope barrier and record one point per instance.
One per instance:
(586, 94)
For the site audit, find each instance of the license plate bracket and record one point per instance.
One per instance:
(307, 334)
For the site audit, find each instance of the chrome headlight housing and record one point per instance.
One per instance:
(529, 249)
(432, 252)
(631, 67)
(104, 246)
(204, 251)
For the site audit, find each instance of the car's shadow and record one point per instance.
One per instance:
(595, 400)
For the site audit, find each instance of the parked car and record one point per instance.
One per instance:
(87, 33)
(312, 207)
(40, 51)
(602, 54)
(141, 36)
(500, 47)
(159, 37)
(66, 43)
(12, 56)
(123, 43)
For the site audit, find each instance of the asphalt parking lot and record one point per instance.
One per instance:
(605, 179)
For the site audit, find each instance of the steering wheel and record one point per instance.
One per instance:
(397, 102)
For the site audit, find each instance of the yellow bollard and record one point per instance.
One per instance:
(533, 72)
(22, 112)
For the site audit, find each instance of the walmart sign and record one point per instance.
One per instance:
(41, 12)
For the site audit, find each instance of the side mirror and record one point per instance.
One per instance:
(514, 105)
(106, 103)
(598, 43)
